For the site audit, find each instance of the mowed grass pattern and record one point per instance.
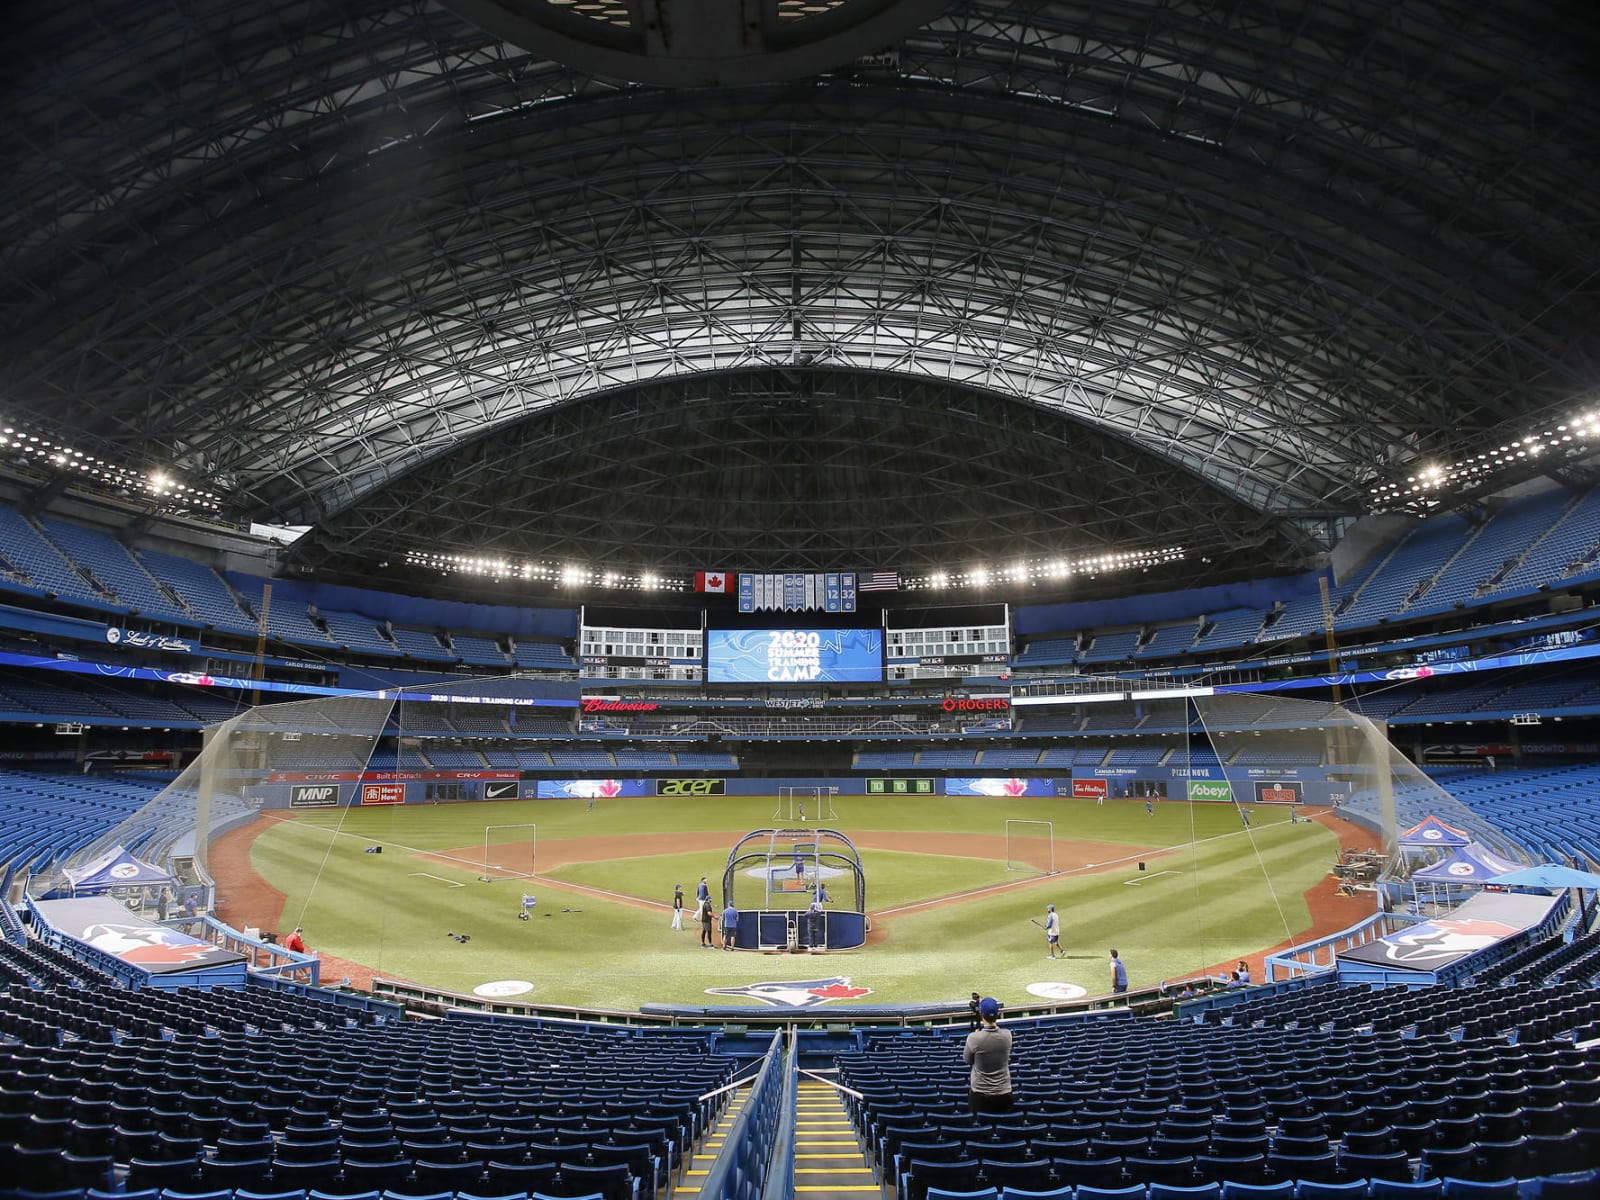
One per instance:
(1211, 891)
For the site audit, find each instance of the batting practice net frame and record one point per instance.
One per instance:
(491, 870)
(1031, 846)
(818, 802)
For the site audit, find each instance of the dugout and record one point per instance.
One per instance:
(772, 876)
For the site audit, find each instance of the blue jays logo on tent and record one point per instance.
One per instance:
(801, 993)
(1442, 941)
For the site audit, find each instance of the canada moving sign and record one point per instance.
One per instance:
(383, 793)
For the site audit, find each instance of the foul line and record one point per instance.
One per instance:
(1147, 878)
(1034, 882)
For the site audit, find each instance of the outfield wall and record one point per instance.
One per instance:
(1252, 785)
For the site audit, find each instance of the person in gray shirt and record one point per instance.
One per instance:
(988, 1052)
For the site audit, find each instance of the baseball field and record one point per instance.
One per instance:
(948, 916)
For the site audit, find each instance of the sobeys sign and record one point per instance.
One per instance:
(1205, 789)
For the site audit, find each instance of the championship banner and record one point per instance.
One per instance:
(803, 591)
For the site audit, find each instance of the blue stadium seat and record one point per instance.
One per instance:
(1386, 1189)
(1282, 1190)
(1202, 1191)
(1474, 1189)
(1573, 1185)
(1353, 1189)
(989, 1193)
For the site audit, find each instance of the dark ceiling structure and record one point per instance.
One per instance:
(1036, 278)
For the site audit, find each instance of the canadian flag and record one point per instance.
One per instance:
(710, 581)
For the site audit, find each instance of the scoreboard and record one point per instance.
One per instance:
(794, 656)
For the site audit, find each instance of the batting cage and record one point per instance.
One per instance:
(796, 889)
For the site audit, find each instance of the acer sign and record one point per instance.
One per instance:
(691, 787)
(596, 704)
(977, 704)
(1089, 789)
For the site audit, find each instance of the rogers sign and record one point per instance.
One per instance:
(977, 704)
(593, 704)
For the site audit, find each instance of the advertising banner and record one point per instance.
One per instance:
(691, 787)
(1089, 789)
(1207, 789)
(590, 789)
(1281, 791)
(900, 787)
(999, 787)
(383, 793)
(314, 795)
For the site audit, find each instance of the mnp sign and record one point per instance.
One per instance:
(691, 787)
(1207, 789)
(314, 795)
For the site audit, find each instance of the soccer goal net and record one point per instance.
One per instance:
(797, 805)
(1031, 846)
(508, 851)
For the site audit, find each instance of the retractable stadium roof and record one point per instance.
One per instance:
(1029, 278)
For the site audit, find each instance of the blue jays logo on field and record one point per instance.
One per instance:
(802, 993)
(1439, 942)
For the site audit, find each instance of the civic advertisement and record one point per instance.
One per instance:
(591, 789)
(794, 656)
(999, 787)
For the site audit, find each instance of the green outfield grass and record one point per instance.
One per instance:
(1211, 891)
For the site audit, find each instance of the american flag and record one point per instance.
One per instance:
(878, 581)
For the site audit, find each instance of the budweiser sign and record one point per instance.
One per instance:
(594, 704)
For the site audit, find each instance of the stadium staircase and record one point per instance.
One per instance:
(828, 1160)
(698, 1165)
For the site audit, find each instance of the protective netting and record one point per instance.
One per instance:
(330, 752)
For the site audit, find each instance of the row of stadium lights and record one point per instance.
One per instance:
(1033, 571)
(32, 447)
(1028, 572)
(1576, 433)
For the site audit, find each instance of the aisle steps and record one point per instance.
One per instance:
(828, 1160)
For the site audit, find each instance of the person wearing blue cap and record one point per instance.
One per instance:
(1052, 931)
(988, 1053)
